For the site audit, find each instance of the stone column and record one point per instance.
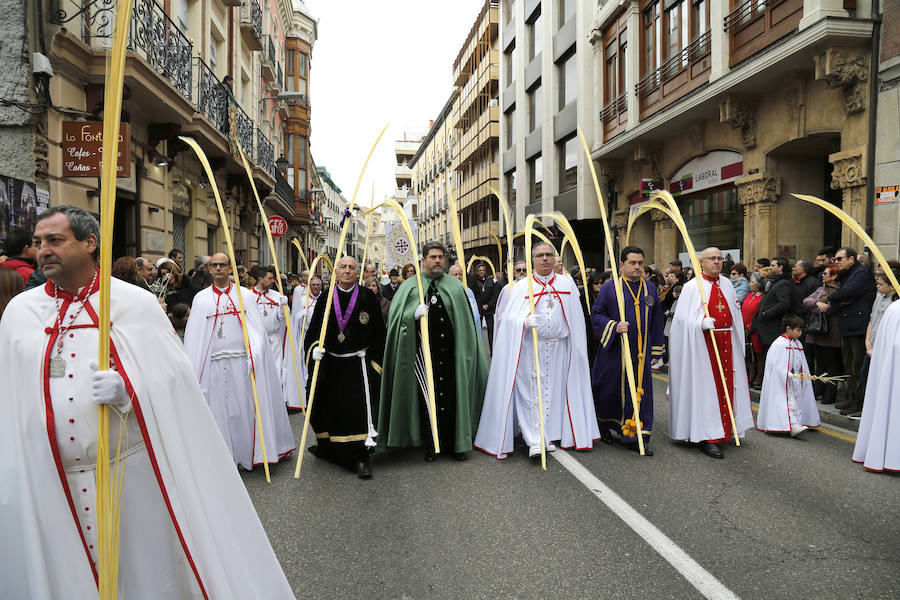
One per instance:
(718, 38)
(758, 194)
(620, 223)
(665, 238)
(849, 176)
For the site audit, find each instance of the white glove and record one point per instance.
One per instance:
(656, 364)
(421, 311)
(109, 388)
(708, 323)
(282, 300)
(318, 353)
(533, 321)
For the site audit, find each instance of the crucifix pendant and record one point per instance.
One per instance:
(720, 306)
(549, 301)
(57, 367)
(219, 333)
(265, 313)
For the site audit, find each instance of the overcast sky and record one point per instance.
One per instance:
(374, 62)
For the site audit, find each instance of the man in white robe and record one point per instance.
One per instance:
(302, 305)
(269, 305)
(787, 403)
(180, 486)
(878, 441)
(214, 341)
(698, 412)
(511, 400)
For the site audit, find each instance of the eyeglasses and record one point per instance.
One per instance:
(713, 258)
(839, 258)
(520, 270)
(218, 265)
(734, 272)
(544, 255)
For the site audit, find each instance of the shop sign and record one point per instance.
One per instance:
(710, 170)
(181, 199)
(650, 185)
(82, 148)
(277, 225)
(887, 194)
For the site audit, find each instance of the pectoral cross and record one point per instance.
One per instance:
(720, 306)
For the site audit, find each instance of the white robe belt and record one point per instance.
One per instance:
(370, 442)
(224, 354)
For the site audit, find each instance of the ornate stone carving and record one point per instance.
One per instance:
(757, 188)
(739, 115)
(842, 67)
(660, 218)
(695, 138)
(849, 168)
(854, 99)
(792, 101)
(620, 219)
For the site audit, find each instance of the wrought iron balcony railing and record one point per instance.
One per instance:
(251, 15)
(210, 96)
(153, 36)
(693, 51)
(265, 153)
(617, 107)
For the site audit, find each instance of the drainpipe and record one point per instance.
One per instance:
(873, 117)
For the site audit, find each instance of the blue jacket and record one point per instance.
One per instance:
(741, 287)
(852, 302)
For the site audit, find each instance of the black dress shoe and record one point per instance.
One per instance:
(460, 456)
(429, 456)
(635, 448)
(314, 450)
(710, 449)
(363, 471)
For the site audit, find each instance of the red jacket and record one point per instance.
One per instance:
(23, 267)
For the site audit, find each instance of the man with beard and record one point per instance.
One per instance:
(214, 341)
(187, 528)
(347, 385)
(457, 357)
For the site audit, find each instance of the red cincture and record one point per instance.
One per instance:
(544, 291)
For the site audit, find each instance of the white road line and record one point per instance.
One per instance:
(696, 575)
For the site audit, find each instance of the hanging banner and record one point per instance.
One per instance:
(398, 248)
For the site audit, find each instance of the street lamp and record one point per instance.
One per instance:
(282, 164)
(286, 96)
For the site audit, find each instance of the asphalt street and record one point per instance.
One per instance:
(777, 518)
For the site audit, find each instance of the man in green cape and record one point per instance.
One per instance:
(458, 362)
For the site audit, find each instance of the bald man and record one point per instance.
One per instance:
(214, 341)
(348, 381)
(699, 410)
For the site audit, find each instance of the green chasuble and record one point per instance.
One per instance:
(402, 409)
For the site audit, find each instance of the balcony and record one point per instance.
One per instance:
(683, 73)
(615, 117)
(211, 96)
(265, 153)
(756, 24)
(251, 24)
(268, 60)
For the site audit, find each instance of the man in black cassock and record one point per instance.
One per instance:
(348, 382)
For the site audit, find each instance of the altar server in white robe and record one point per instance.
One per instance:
(302, 305)
(269, 305)
(214, 342)
(187, 527)
(878, 441)
(511, 401)
(787, 403)
(698, 411)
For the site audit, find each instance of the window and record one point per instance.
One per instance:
(566, 11)
(302, 68)
(510, 128)
(289, 62)
(568, 81)
(509, 66)
(534, 37)
(568, 164)
(212, 55)
(511, 191)
(536, 174)
(615, 45)
(182, 16)
(651, 55)
(535, 109)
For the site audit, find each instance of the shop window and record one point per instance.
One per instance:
(714, 218)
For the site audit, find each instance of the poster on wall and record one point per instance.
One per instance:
(20, 204)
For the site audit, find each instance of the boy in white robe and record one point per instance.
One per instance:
(787, 403)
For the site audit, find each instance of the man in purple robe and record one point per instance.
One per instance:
(644, 325)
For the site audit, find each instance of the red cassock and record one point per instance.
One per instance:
(721, 312)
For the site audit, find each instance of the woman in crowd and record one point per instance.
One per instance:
(125, 268)
(666, 297)
(826, 346)
(409, 270)
(178, 289)
(739, 281)
(372, 284)
(756, 360)
(10, 284)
